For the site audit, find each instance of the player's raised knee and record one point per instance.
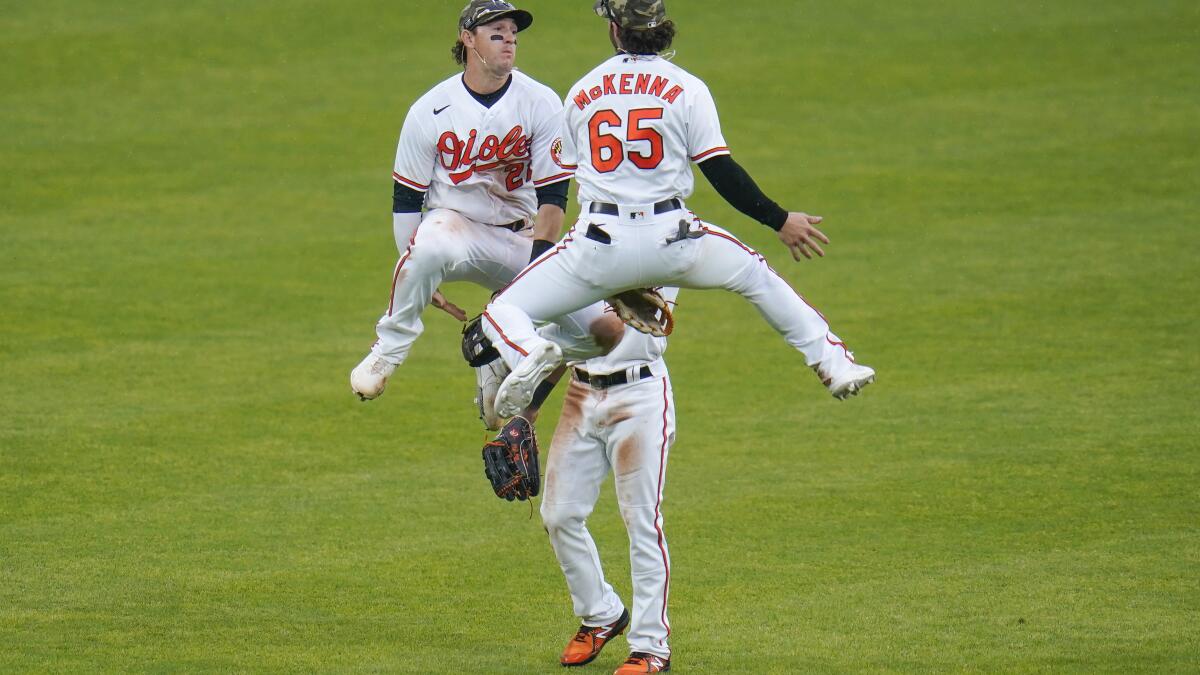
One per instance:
(433, 248)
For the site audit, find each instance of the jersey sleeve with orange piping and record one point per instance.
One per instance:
(546, 153)
(704, 136)
(416, 152)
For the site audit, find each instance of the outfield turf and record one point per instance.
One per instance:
(195, 243)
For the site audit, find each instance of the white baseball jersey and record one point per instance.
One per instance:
(481, 162)
(630, 128)
(478, 166)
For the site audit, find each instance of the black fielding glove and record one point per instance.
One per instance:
(510, 461)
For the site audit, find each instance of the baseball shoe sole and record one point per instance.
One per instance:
(369, 378)
(516, 391)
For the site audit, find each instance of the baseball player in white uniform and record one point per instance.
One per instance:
(632, 127)
(474, 152)
(618, 415)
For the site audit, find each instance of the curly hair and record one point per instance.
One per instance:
(459, 51)
(650, 41)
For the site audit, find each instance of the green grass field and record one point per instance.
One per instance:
(195, 243)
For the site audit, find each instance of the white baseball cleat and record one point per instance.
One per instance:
(842, 376)
(516, 391)
(487, 383)
(369, 378)
(851, 381)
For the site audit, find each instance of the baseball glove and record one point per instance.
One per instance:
(644, 310)
(510, 461)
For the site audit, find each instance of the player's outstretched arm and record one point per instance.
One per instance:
(796, 230)
(800, 235)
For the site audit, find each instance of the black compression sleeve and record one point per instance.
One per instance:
(737, 187)
(406, 199)
(555, 193)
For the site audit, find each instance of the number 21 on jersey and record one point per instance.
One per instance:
(608, 151)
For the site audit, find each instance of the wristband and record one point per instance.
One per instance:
(540, 246)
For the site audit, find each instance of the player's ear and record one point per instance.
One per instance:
(467, 38)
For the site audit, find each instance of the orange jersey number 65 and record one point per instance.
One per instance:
(608, 151)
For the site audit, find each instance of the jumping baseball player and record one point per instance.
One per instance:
(618, 415)
(475, 152)
(632, 127)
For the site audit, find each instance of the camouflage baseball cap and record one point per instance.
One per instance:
(633, 14)
(479, 12)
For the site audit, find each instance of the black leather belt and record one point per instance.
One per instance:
(515, 226)
(612, 379)
(665, 206)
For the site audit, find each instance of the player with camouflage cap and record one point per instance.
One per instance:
(632, 128)
(474, 196)
(482, 12)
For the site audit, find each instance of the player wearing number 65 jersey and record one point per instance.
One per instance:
(475, 152)
(632, 128)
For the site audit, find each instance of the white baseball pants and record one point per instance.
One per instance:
(450, 247)
(603, 255)
(628, 429)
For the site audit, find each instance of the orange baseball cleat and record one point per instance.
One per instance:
(641, 662)
(589, 640)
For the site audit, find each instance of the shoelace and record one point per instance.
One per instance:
(585, 632)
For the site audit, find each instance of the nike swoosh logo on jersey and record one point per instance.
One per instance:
(438, 111)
